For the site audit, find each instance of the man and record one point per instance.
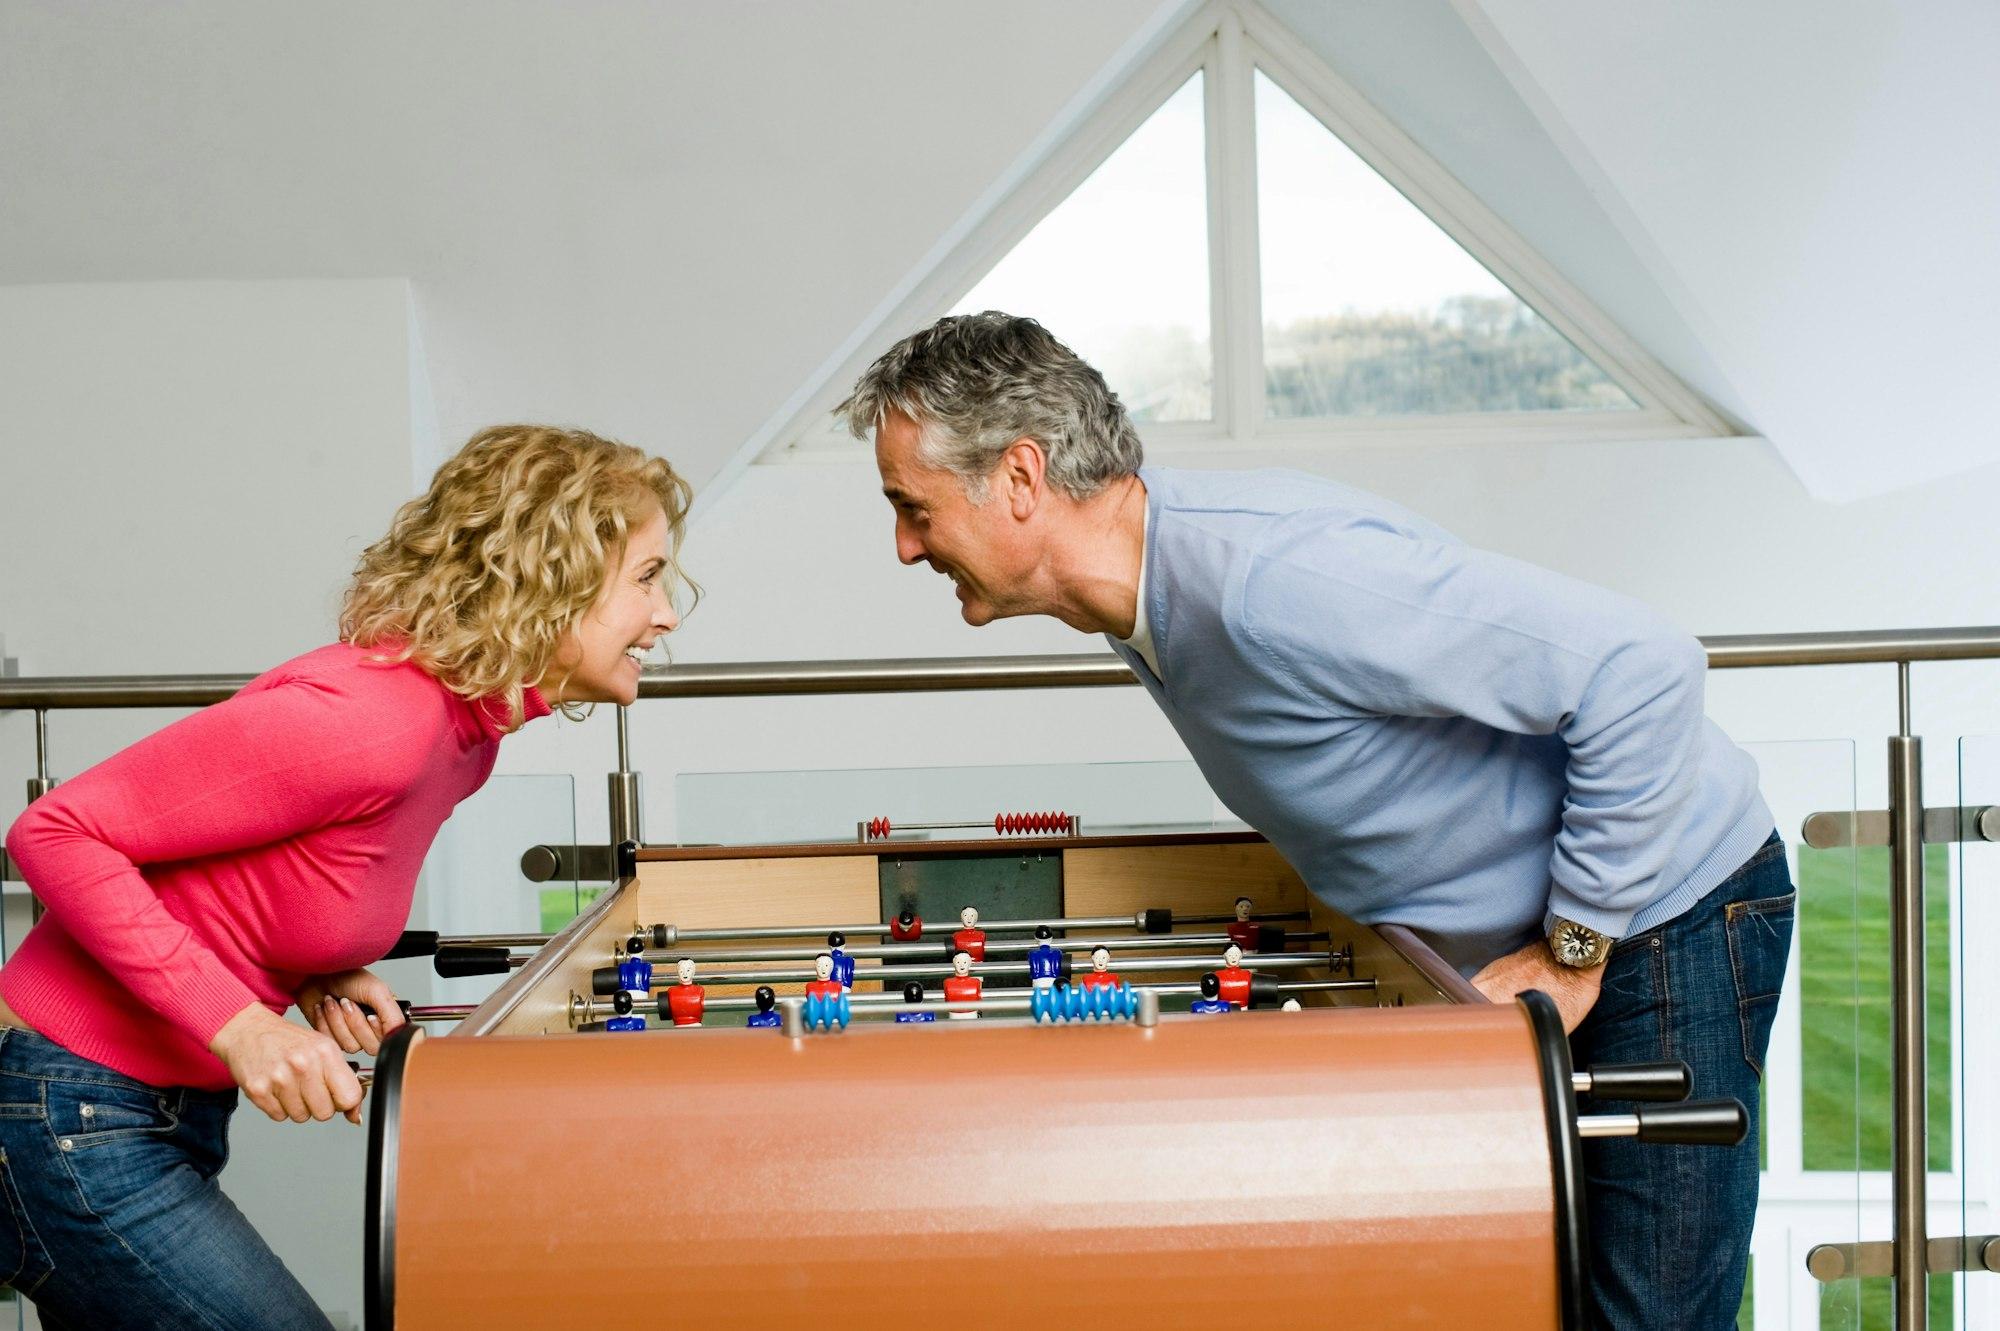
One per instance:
(1512, 763)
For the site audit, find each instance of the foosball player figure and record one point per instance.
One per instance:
(1101, 975)
(907, 927)
(686, 999)
(913, 992)
(971, 939)
(1044, 959)
(825, 986)
(1208, 1002)
(635, 973)
(1234, 979)
(843, 965)
(767, 1008)
(1243, 930)
(963, 985)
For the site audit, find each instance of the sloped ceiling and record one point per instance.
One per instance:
(654, 219)
(1816, 191)
(662, 220)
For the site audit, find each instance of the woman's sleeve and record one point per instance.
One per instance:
(256, 769)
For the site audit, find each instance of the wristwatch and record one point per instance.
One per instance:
(1578, 945)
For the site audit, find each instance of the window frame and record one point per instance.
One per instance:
(1229, 42)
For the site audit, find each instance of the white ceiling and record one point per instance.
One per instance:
(653, 219)
(1814, 189)
(662, 220)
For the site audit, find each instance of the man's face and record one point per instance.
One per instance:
(980, 547)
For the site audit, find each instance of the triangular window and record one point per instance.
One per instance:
(1371, 310)
(1252, 254)
(1119, 270)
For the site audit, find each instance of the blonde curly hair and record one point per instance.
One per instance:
(482, 576)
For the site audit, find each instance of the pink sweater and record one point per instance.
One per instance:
(224, 860)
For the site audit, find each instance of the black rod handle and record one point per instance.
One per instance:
(454, 962)
(1671, 1080)
(414, 943)
(1703, 1123)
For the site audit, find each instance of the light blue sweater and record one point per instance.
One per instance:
(1434, 735)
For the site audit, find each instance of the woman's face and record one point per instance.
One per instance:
(598, 660)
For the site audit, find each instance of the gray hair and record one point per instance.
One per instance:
(975, 383)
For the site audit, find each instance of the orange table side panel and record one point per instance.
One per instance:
(1325, 1168)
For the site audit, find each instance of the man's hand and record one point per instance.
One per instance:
(1575, 990)
(287, 1071)
(333, 1003)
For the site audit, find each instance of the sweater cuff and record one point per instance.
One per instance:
(1613, 924)
(205, 1004)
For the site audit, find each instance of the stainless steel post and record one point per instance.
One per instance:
(40, 784)
(623, 789)
(1906, 980)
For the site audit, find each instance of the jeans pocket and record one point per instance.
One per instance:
(87, 1114)
(1760, 943)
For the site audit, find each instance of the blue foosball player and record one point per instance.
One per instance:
(767, 1004)
(1211, 999)
(635, 973)
(1044, 959)
(843, 965)
(634, 1023)
(913, 992)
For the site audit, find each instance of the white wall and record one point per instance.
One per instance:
(187, 474)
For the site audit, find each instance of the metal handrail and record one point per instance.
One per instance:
(944, 674)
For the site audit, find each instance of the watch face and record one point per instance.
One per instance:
(1574, 945)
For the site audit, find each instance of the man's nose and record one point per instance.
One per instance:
(909, 548)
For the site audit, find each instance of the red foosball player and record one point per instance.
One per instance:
(963, 985)
(1243, 931)
(971, 939)
(1101, 973)
(1233, 979)
(825, 986)
(907, 927)
(686, 999)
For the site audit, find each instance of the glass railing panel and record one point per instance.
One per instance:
(758, 808)
(472, 881)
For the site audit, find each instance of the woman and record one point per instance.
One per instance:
(261, 852)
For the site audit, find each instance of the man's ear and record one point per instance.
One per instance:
(1024, 470)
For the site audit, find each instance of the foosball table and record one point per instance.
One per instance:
(1125, 1078)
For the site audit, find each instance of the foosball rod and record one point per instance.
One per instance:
(441, 1011)
(423, 942)
(1270, 961)
(890, 951)
(1154, 920)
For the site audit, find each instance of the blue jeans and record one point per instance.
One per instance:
(113, 1215)
(1670, 1225)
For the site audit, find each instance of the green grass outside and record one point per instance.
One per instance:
(1866, 1305)
(1844, 1013)
(560, 905)
(1844, 1024)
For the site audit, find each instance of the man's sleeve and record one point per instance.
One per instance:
(247, 772)
(1374, 622)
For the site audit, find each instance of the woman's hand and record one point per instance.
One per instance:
(287, 1071)
(333, 1004)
